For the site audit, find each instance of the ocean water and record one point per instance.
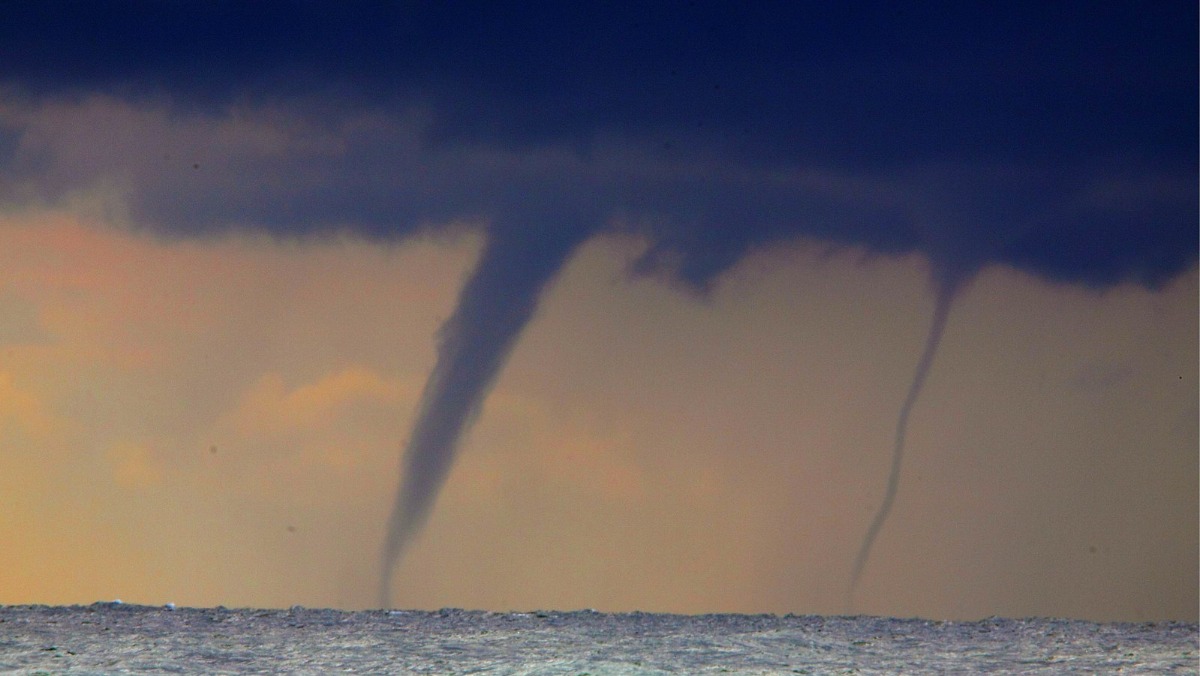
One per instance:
(116, 638)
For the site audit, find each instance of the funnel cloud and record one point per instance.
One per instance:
(496, 303)
(941, 312)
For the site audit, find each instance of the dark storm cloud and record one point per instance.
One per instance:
(893, 83)
(1072, 97)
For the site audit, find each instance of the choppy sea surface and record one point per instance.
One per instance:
(116, 638)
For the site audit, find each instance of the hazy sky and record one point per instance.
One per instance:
(680, 263)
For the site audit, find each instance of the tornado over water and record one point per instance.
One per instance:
(941, 311)
(255, 131)
(496, 303)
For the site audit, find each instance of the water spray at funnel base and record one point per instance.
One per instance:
(494, 305)
(946, 289)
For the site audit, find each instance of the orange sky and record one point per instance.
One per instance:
(219, 422)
